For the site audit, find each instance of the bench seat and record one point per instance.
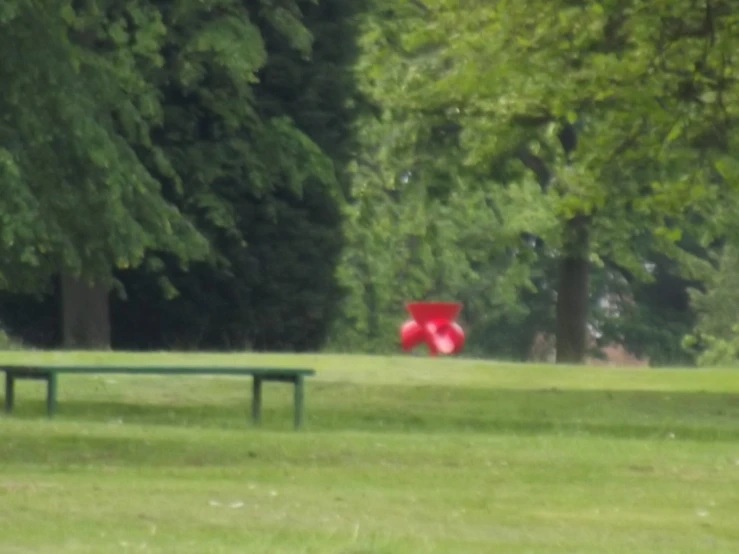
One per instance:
(50, 373)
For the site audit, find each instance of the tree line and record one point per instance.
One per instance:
(268, 175)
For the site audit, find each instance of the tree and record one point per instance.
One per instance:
(714, 337)
(715, 301)
(237, 163)
(649, 317)
(607, 105)
(80, 201)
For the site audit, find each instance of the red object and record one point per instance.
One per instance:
(433, 323)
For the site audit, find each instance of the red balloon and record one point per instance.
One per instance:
(447, 338)
(411, 334)
(433, 323)
(457, 334)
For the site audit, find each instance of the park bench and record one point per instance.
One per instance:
(49, 373)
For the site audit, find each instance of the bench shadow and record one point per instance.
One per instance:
(117, 412)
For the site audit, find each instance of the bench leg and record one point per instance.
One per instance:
(298, 402)
(256, 399)
(9, 392)
(51, 394)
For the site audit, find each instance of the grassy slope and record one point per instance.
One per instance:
(398, 455)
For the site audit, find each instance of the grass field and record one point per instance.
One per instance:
(398, 455)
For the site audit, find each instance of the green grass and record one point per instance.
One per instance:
(398, 455)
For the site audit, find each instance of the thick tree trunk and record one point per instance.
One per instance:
(574, 272)
(573, 293)
(85, 314)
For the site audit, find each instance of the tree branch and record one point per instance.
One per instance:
(535, 164)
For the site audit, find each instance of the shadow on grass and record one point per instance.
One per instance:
(431, 409)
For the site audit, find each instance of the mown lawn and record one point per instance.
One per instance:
(398, 455)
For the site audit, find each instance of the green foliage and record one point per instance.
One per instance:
(262, 184)
(425, 231)
(173, 166)
(517, 76)
(80, 198)
(603, 111)
(716, 334)
(84, 116)
(216, 157)
(651, 317)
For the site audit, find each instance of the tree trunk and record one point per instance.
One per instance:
(573, 293)
(85, 314)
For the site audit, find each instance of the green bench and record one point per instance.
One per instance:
(49, 373)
